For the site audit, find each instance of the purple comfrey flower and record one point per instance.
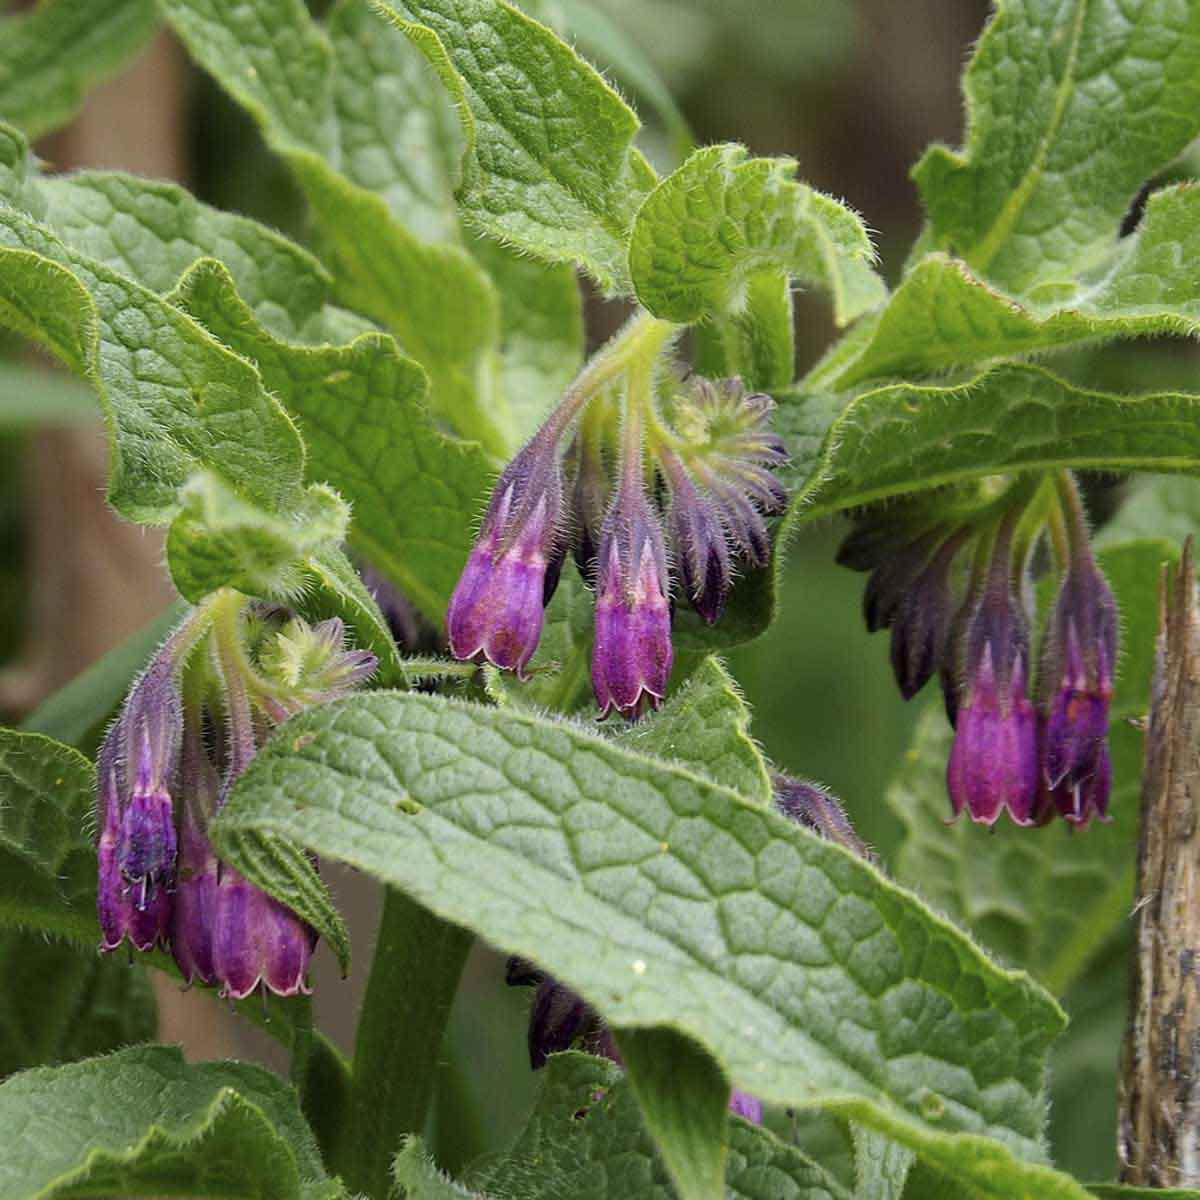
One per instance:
(1076, 685)
(746, 1106)
(993, 764)
(193, 915)
(141, 915)
(496, 609)
(631, 657)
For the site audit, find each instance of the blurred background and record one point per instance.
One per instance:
(854, 90)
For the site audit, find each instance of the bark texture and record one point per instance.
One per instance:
(1159, 1111)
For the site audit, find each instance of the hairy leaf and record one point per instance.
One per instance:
(899, 438)
(666, 900)
(418, 1178)
(705, 725)
(218, 540)
(942, 316)
(47, 865)
(60, 1002)
(361, 410)
(722, 218)
(586, 1140)
(1046, 899)
(52, 55)
(144, 1122)
(1071, 107)
(548, 164)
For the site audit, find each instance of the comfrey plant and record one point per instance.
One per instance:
(371, 458)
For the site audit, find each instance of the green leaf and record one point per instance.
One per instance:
(548, 164)
(79, 711)
(1070, 109)
(903, 437)
(943, 316)
(51, 56)
(176, 400)
(59, 1002)
(218, 540)
(144, 1122)
(47, 865)
(684, 1100)
(723, 218)
(705, 726)
(586, 1139)
(668, 901)
(880, 1165)
(418, 1178)
(1043, 899)
(31, 397)
(276, 61)
(361, 409)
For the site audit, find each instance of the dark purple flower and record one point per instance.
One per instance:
(700, 547)
(744, 1105)
(193, 915)
(496, 610)
(993, 764)
(631, 656)
(921, 623)
(257, 940)
(1076, 686)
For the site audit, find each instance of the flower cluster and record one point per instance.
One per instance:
(189, 726)
(954, 588)
(656, 489)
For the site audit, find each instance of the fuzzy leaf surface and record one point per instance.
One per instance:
(548, 163)
(361, 410)
(144, 1122)
(705, 726)
(723, 217)
(60, 1002)
(47, 865)
(51, 56)
(666, 900)
(903, 437)
(1044, 899)
(1072, 105)
(943, 316)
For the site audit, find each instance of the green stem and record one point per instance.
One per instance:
(418, 961)
(302, 1041)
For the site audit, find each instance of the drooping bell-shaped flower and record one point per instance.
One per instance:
(497, 607)
(193, 916)
(993, 763)
(1076, 685)
(631, 656)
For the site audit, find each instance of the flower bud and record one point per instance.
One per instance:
(700, 547)
(921, 623)
(193, 916)
(812, 806)
(631, 657)
(746, 1106)
(496, 610)
(312, 663)
(1076, 685)
(993, 764)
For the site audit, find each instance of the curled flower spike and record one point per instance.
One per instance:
(631, 657)
(561, 1020)
(993, 763)
(699, 543)
(496, 610)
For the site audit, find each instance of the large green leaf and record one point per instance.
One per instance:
(548, 164)
(585, 1139)
(669, 901)
(1071, 106)
(361, 410)
(723, 217)
(902, 437)
(1043, 899)
(60, 1002)
(52, 55)
(943, 316)
(47, 865)
(144, 1122)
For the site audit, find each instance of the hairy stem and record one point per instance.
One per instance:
(415, 973)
